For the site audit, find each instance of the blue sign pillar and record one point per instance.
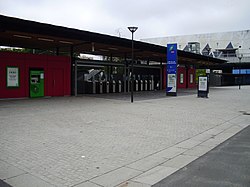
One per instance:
(171, 89)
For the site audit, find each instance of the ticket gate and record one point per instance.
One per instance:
(136, 86)
(141, 85)
(100, 87)
(150, 85)
(113, 87)
(146, 85)
(119, 86)
(107, 87)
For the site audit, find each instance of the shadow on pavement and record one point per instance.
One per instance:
(145, 95)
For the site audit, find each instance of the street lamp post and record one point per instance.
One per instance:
(132, 30)
(240, 57)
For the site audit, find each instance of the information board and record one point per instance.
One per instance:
(171, 69)
(12, 77)
(202, 84)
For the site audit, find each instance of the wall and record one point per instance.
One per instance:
(186, 72)
(25, 62)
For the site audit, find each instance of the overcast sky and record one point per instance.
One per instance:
(154, 18)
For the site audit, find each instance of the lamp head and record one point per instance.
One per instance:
(132, 29)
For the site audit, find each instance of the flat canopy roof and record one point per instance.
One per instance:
(15, 32)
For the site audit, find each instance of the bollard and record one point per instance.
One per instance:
(146, 85)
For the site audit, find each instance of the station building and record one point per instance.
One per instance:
(233, 46)
(52, 66)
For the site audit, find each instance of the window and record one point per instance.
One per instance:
(181, 78)
(191, 78)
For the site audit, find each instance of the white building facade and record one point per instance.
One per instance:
(224, 45)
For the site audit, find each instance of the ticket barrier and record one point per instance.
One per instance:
(150, 85)
(119, 86)
(141, 85)
(112, 90)
(99, 87)
(107, 87)
(91, 87)
(146, 85)
(136, 86)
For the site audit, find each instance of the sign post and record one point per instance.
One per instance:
(203, 86)
(171, 89)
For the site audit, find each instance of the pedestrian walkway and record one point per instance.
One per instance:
(226, 165)
(93, 142)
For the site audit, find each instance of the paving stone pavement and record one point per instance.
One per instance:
(88, 141)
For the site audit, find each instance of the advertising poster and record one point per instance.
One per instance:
(171, 69)
(12, 77)
(202, 84)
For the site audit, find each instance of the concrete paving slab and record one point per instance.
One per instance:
(8, 171)
(214, 131)
(179, 161)
(147, 163)
(170, 152)
(67, 140)
(223, 136)
(188, 144)
(154, 175)
(233, 129)
(87, 184)
(134, 184)
(27, 180)
(116, 177)
(201, 137)
(224, 126)
(197, 151)
(211, 143)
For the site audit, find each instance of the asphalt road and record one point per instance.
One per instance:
(224, 166)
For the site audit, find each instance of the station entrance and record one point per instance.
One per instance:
(104, 77)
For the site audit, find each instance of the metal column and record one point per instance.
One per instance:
(75, 78)
(161, 76)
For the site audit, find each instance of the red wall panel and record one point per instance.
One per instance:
(191, 74)
(181, 77)
(25, 62)
(164, 77)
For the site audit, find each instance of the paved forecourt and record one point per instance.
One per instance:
(87, 141)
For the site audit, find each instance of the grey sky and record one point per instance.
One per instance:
(153, 17)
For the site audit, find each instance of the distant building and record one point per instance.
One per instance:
(224, 45)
